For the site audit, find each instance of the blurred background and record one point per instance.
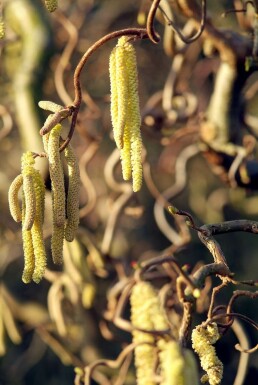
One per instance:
(48, 330)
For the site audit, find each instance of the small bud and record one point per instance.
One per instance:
(172, 210)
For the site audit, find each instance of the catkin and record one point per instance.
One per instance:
(118, 137)
(144, 353)
(57, 242)
(2, 29)
(125, 155)
(57, 177)
(32, 217)
(13, 198)
(37, 229)
(29, 257)
(51, 5)
(28, 188)
(49, 106)
(51, 145)
(135, 117)
(122, 89)
(148, 314)
(72, 204)
(177, 365)
(202, 340)
(33, 242)
(125, 111)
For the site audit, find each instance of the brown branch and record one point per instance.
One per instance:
(152, 34)
(232, 226)
(189, 40)
(240, 293)
(113, 364)
(139, 33)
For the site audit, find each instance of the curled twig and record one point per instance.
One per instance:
(152, 34)
(113, 364)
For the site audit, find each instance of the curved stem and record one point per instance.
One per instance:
(189, 40)
(140, 33)
(153, 36)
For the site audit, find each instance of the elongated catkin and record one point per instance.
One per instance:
(27, 167)
(144, 353)
(135, 117)
(57, 177)
(178, 366)
(72, 203)
(49, 106)
(118, 137)
(14, 205)
(125, 110)
(37, 229)
(29, 257)
(57, 242)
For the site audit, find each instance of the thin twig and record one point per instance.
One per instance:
(152, 34)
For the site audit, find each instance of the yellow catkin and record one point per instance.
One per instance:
(147, 314)
(28, 162)
(57, 239)
(13, 198)
(2, 29)
(125, 110)
(57, 242)
(72, 204)
(122, 89)
(57, 177)
(118, 137)
(202, 340)
(125, 155)
(135, 117)
(37, 230)
(29, 257)
(177, 365)
(51, 5)
(49, 106)
(33, 242)
(145, 352)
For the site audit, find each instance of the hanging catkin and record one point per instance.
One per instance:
(125, 110)
(13, 198)
(72, 202)
(32, 216)
(203, 339)
(57, 176)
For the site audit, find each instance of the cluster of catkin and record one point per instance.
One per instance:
(176, 366)
(65, 208)
(32, 216)
(125, 110)
(203, 339)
